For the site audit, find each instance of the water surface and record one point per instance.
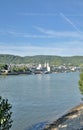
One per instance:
(40, 98)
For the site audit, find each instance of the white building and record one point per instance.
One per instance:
(39, 67)
(48, 67)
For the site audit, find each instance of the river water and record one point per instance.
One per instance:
(37, 99)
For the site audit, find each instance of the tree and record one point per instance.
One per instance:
(81, 83)
(5, 114)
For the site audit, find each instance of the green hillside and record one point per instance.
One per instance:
(53, 60)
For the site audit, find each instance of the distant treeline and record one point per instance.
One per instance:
(53, 60)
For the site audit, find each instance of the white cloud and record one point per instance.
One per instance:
(44, 33)
(59, 34)
(48, 33)
(29, 50)
(49, 14)
(38, 14)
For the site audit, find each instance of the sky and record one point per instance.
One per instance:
(41, 27)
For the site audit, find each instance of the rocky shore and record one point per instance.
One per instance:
(73, 120)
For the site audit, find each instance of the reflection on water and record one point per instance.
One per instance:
(46, 76)
(39, 77)
(38, 126)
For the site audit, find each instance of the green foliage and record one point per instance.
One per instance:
(53, 60)
(19, 69)
(5, 114)
(81, 83)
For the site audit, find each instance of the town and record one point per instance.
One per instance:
(16, 69)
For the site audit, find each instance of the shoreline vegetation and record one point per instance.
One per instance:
(14, 73)
(30, 73)
(41, 64)
(17, 69)
(52, 59)
(73, 120)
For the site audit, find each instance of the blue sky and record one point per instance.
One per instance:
(41, 27)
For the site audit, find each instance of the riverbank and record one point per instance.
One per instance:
(73, 120)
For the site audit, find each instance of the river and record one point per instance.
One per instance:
(37, 99)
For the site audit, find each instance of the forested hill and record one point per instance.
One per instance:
(53, 60)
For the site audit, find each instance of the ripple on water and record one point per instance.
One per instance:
(38, 126)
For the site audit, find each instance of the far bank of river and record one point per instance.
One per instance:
(40, 98)
(35, 72)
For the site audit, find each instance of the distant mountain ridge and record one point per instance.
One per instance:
(53, 60)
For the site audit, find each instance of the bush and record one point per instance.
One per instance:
(5, 114)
